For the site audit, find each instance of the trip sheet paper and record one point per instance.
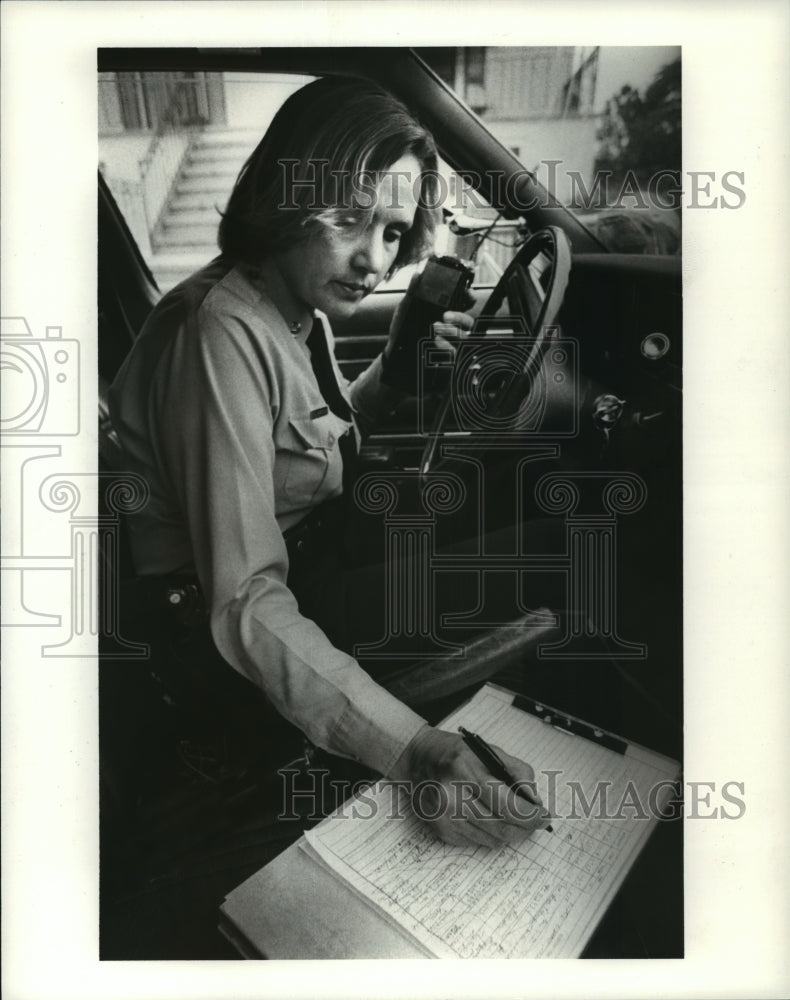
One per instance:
(540, 898)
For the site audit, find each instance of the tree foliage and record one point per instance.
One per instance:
(643, 134)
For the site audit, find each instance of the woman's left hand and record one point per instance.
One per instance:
(453, 328)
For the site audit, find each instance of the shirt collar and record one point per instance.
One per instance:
(267, 281)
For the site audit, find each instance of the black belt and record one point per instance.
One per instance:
(322, 530)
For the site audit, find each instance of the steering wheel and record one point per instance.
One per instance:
(496, 376)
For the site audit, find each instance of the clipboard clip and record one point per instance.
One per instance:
(569, 724)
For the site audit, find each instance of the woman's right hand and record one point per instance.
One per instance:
(456, 795)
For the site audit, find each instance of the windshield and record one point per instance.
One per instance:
(600, 127)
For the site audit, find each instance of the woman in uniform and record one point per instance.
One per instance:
(233, 409)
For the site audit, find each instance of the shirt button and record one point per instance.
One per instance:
(331, 440)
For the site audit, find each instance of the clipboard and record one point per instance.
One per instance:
(291, 908)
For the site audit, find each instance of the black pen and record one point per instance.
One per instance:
(488, 756)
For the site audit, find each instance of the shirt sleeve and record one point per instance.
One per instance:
(218, 451)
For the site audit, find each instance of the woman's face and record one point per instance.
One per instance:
(337, 269)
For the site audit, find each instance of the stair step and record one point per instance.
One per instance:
(226, 136)
(210, 169)
(187, 236)
(189, 201)
(230, 153)
(190, 217)
(205, 185)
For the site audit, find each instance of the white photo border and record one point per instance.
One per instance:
(735, 71)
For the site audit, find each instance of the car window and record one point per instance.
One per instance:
(171, 146)
(599, 126)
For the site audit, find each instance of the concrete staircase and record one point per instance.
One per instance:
(187, 236)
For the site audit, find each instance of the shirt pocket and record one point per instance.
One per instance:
(312, 468)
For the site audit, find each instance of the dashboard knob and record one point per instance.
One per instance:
(607, 410)
(655, 346)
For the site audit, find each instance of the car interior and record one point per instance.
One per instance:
(561, 417)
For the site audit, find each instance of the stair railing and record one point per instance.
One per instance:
(183, 118)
